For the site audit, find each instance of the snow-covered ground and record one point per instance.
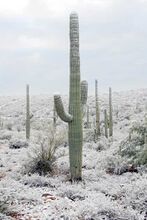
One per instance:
(101, 195)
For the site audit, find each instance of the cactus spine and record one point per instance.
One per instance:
(106, 123)
(27, 113)
(110, 114)
(74, 117)
(97, 131)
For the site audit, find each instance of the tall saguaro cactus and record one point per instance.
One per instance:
(97, 111)
(110, 113)
(84, 95)
(74, 117)
(27, 113)
(88, 122)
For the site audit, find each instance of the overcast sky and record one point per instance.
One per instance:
(34, 44)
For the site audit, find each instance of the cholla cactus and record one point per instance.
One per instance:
(110, 114)
(74, 117)
(27, 113)
(106, 123)
(97, 130)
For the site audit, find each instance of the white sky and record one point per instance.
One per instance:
(34, 44)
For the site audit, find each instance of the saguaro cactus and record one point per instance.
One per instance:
(88, 122)
(74, 117)
(110, 113)
(84, 95)
(54, 117)
(106, 123)
(97, 113)
(84, 92)
(27, 113)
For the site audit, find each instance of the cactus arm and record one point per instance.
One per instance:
(60, 109)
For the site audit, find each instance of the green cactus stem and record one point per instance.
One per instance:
(27, 113)
(88, 122)
(55, 116)
(106, 123)
(110, 114)
(60, 109)
(97, 131)
(74, 117)
(84, 95)
(84, 92)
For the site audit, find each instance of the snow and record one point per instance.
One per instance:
(100, 195)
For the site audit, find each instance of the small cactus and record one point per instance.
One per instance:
(88, 122)
(84, 96)
(54, 117)
(106, 123)
(110, 114)
(27, 113)
(74, 117)
(84, 92)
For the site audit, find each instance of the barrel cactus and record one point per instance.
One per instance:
(74, 117)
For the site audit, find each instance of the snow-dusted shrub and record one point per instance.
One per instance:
(133, 147)
(102, 144)
(5, 135)
(42, 157)
(5, 206)
(36, 181)
(116, 165)
(16, 144)
(9, 126)
(73, 195)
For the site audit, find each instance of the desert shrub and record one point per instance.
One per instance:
(102, 144)
(117, 165)
(134, 147)
(16, 144)
(42, 157)
(5, 206)
(36, 181)
(9, 126)
(5, 135)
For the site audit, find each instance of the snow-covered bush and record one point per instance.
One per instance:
(42, 157)
(102, 144)
(118, 166)
(16, 144)
(5, 207)
(5, 135)
(134, 147)
(36, 181)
